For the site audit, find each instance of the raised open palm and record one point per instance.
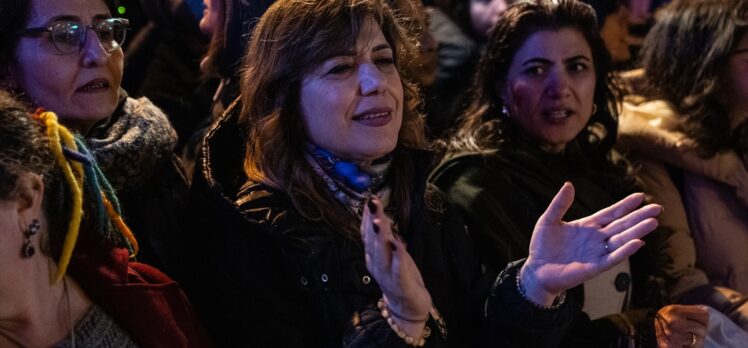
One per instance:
(566, 254)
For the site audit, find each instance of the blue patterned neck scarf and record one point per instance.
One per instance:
(349, 183)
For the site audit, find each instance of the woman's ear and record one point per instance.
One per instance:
(30, 197)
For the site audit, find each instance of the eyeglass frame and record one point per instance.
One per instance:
(38, 31)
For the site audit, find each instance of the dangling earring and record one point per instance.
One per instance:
(594, 108)
(28, 249)
(505, 111)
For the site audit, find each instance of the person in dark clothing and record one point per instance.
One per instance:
(50, 59)
(544, 113)
(162, 63)
(228, 24)
(460, 28)
(297, 184)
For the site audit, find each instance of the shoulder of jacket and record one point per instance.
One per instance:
(455, 165)
(262, 204)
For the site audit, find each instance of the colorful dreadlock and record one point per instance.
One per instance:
(80, 169)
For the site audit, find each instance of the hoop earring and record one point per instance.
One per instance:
(594, 109)
(28, 248)
(505, 112)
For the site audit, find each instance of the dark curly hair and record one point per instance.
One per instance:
(482, 129)
(684, 55)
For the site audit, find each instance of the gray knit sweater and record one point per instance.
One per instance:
(98, 329)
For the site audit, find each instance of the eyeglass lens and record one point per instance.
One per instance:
(68, 37)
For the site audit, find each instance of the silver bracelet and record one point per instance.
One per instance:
(557, 302)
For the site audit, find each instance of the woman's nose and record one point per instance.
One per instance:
(371, 80)
(93, 52)
(558, 85)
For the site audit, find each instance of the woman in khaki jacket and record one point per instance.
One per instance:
(689, 141)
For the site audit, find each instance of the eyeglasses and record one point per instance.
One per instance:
(68, 37)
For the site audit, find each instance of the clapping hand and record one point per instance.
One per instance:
(566, 254)
(394, 270)
(681, 326)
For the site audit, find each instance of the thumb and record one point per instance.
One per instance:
(559, 205)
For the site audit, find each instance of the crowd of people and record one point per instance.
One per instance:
(374, 173)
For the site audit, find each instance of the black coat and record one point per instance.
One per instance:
(502, 194)
(267, 277)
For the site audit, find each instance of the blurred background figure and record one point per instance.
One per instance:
(162, 62)
(613, 20)
(460, 28)
(421, 69)
(228, 26)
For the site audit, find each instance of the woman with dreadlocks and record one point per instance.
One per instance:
(64, 249)
(49, 58)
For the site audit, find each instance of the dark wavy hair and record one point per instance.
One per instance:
(481, 128)
(15, 16)
(291, 39)
(684, 55)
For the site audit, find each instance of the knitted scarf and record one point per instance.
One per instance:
(343, 179)
(131, 145)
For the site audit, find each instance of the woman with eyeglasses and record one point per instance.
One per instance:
(66, 56)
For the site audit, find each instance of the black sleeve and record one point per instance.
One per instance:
(512, 321)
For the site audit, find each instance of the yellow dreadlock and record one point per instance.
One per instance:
(74, 175)
(55, 133)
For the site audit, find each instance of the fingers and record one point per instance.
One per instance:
(632, 219)
(382, 224)
(617, 210)
(375, 236)
(559, 205)
(698, 314)
(618, 255)
(685, 325)
(638, 231)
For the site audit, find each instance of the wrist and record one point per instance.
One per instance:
(412, 329)
(532, 289)
(413, 332)
(403, 312)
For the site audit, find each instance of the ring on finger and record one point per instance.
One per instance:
(693, 339)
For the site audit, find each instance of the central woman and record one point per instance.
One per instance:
(323, 231)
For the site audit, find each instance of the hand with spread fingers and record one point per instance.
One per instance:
(404, 292)
(681, 326)
(566, 254)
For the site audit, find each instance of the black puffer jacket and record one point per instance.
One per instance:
(270, 278)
